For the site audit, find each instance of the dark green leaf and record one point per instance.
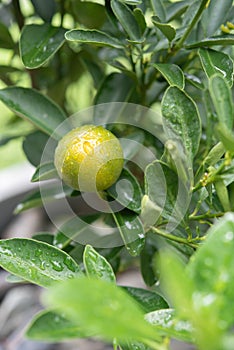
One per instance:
(175, 10)
(127, 191)
(131, 230)
(172, 73)
(194, 80)
(179, 113)
(45, 171)
(131, 144)
(92, 37)
(6, 41)
(101, 308)
(92, 15)
(224, 40)
(217, 62)
(39, 42)
(50, 326)
(45, 10)
(105, 111)
(170, 326)
(159, 9)
(165, 28)
(140, 18)
(127, 20)
(37, 108)
(45, 194)
(97, 266)
(222, 98)
(36, 262)
(149, 301)
(44, 237)
(147, 257)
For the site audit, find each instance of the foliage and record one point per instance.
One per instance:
(159, 75)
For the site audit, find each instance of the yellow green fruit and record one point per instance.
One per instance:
(89, 158)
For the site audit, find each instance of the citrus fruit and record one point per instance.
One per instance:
(89, 158)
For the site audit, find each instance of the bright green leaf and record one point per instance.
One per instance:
(37, 108)
(36, 262)
(101, 308)
(172, 73)
(92, 36)
(226, 136)
(97, 266)
(225, 40)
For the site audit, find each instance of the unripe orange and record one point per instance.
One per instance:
(89, 158)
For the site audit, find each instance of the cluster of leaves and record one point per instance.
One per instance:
(158, 53)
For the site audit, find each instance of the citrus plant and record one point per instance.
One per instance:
(134, 97)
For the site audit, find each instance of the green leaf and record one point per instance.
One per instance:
(14, 279)
(217, 62)
(92, 36)
(140, 18)
(39, 42)
(215, 154)
(37, 198)
(222, 193)
(149, 301)
(215, 15)
(132, 143)
(92, 15)
(172, 73)
(36, 108)
(165, 28)
(170, 326)
(45, 10)
(179, 113)
(212, 272)
(175, 10)
(45, 171)
(222, 98)
(44, 237)
(101, 308)
(97, 266)
(225, 40)
(34, 145)
(159, 9)
(148, 253)
(104, 111)
(50, 326)
(6, 41)
(36, 262)
(131, 231)
(127, 191)
(126, 18)
(150, 211)
(226, 136)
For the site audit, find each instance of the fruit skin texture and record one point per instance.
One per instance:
(89, 158)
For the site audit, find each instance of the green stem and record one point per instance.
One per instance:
(205, 216)
(174, 238)
(191, 26)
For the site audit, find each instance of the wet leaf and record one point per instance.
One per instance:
(39, 42)
(36, 262)
(96, 265)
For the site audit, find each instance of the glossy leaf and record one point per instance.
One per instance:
(222, 99)
(51, 326)
(131, 231)
(212, 272)
(45, 10)
(45, 171)
(36, 108)
(34, 145)
(224, 40)
(101, 308)
(172, 73)
(179, 113)
(149, 301)
(159, 9)
(92, 36)
(127, 20)
(217, 62)
(6, 40)
(105, 111)
(226, 136)
(36, 262)
(147, 257)
(37, 198)
(96, 265)
(165, 28)
(194, 80)
(170, 326)
(127, 191)
(39, 42)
